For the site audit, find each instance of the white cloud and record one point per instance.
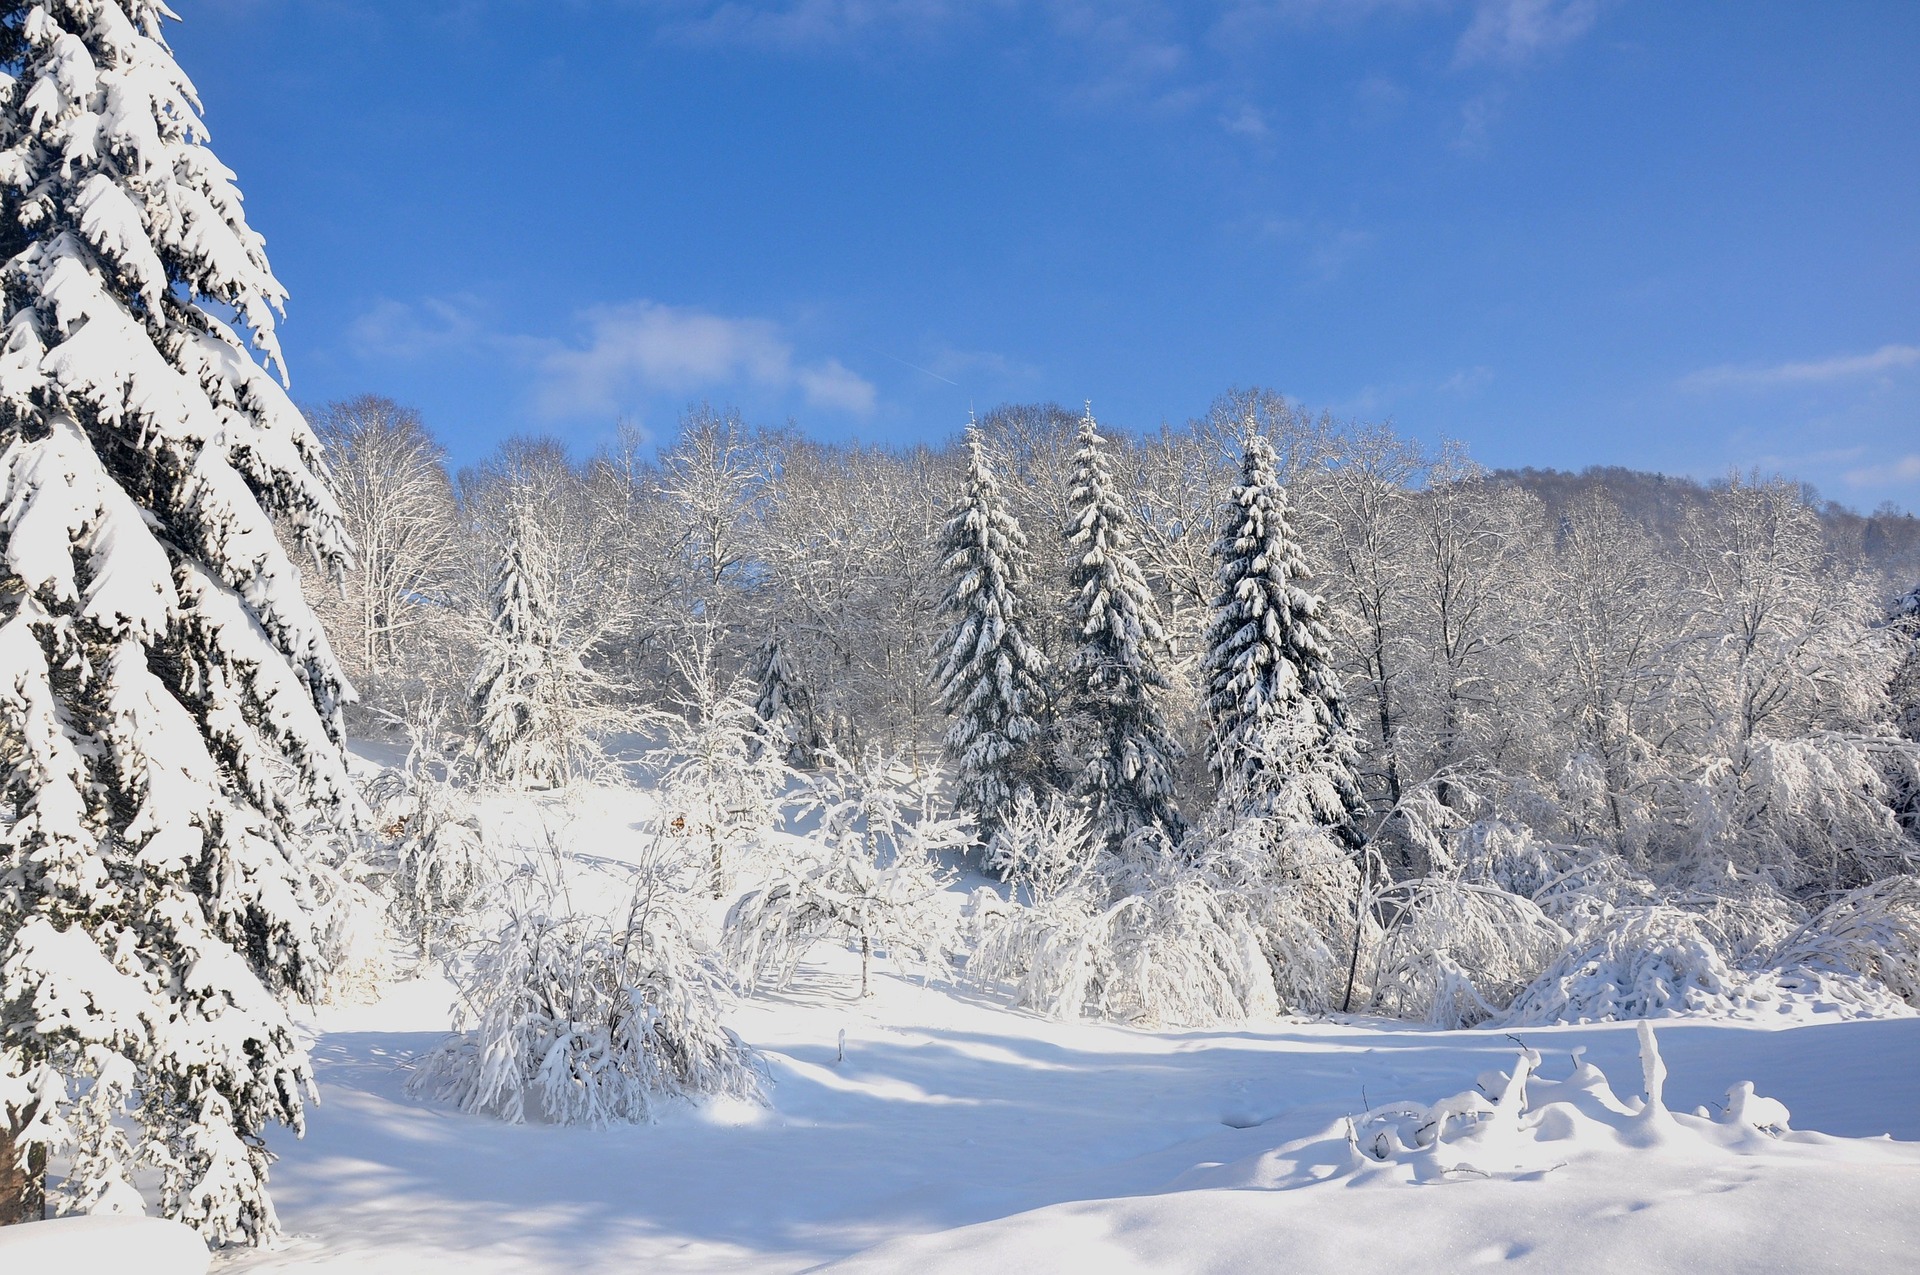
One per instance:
(396, 330)
(1331, 256)
(804, 26)
(1516, 31)
(624, 350)
(1478, 115)
(1840, 367)
(833, 385)
(652, 347)
(1467, 380)
(1249, 121)
(1897, 472)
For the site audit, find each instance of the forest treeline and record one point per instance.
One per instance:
(1698, 677)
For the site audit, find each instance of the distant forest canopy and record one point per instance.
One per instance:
(1660, 502)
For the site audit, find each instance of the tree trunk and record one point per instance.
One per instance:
(23, 1188)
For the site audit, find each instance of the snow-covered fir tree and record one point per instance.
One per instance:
(1278, 728)
(783, 707)
(1113, 676)
(527, 679)
(1904, 618)
(169, 707)
(991, 676)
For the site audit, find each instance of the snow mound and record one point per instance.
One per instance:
(150, 1245)
(1523, 1171)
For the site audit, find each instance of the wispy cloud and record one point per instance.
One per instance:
(1478, 115)
(1329, 258)
(1249, 122)
(1510, 32)
(648, 346)
(397, 330)
(1839, 367)
(1468, 380)
(1895, 472)
(621, 352)
(808, 26)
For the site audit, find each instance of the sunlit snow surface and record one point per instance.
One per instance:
(955, 1135)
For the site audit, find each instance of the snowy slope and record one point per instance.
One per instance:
(956, 1135)
(948, 1111)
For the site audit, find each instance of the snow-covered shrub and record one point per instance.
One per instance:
(1642, 962)
(444, 873)
(1223, 930)
(350, 928)
(1042, 844)
(1871, 934)
(1572, 885)
(1456, 953)
(1301, 888)
(1818, 810)
(721, 786)
(579, 1019)
(1747, 917)
(872, 879)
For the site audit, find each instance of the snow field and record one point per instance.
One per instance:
(957, 1135)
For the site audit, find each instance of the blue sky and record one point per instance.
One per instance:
(1565, 232)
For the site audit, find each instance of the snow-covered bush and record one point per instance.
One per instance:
(721, 785)
(872, 878)
(444, 873)
(1572, 885)
(1232, 926)
(1871, 934)
(1042, 844)
(1643, 962)
(350, 928)
(579, 1019)
(1456, 953)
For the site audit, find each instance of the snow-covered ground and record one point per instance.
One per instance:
(953, 1134)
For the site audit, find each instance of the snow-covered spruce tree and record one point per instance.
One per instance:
(1272, 695)
(527, 680)
(169, 707)
(784, 707)
(1121, 744)
(991, 676)
(1904, 618)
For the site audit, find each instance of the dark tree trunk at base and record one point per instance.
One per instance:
(23, 1190)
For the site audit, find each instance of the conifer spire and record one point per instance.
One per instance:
(990, 674)
(1120, 742)
(1272, 696)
